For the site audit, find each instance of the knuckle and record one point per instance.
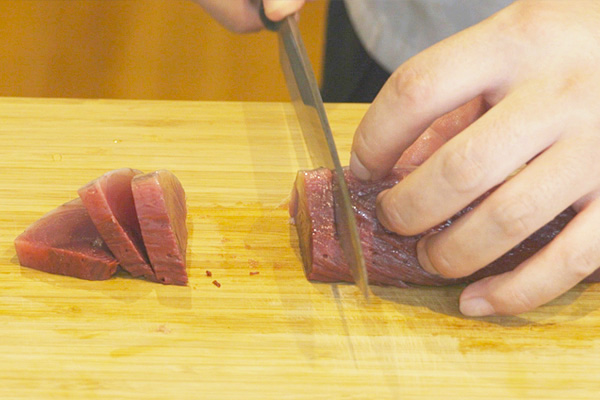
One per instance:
(523, 21)
(515, 217)
(461, 170)
(572, 86)
(412, 87)
(575, 87)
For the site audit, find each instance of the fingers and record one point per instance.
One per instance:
(571, 256)
(240, 16)
(482, 156)
(436, 81)
(513, 212)
(277, 10)
(442, 130)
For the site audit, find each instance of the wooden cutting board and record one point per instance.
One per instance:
(272, 335)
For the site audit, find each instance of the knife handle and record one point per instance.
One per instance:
(269, 24)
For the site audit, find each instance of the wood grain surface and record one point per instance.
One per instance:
(271, 335)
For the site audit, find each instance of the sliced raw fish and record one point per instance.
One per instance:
(109, 202)
(160, 204)
(66, 242)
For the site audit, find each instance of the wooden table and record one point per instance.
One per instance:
(268, 336)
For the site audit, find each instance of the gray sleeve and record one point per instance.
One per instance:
(394, 30)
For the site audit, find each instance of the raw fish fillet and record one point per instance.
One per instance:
(390, 258)
(66, 242)
(160, 204)
(109, 202)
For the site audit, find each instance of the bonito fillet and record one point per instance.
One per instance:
(390, 258)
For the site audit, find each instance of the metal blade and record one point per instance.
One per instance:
(304, 91)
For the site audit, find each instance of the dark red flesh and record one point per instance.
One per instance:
(66, 242)
(160, 205)
(390, 258)
(109, 202)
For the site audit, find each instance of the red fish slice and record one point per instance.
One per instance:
(109, 202)
(66, 242)
(160, 204)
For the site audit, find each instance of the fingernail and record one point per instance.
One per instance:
(476, 307)
(358, 169)
(423, 256)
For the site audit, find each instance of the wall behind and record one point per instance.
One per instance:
(141, 49)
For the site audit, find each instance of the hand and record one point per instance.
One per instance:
(241, 16)
(535, 65)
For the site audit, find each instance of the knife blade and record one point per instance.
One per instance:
(308, 104)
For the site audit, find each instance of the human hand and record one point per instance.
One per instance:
(535, 65)
(241, 16)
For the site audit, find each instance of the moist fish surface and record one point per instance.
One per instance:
(390, 258)
(160, 205)
(109, 202)
(66, 242)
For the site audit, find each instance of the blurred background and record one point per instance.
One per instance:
(141, 49)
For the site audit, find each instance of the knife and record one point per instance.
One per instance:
(307, 101)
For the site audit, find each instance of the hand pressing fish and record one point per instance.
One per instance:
(391, 259)
(124, 217)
